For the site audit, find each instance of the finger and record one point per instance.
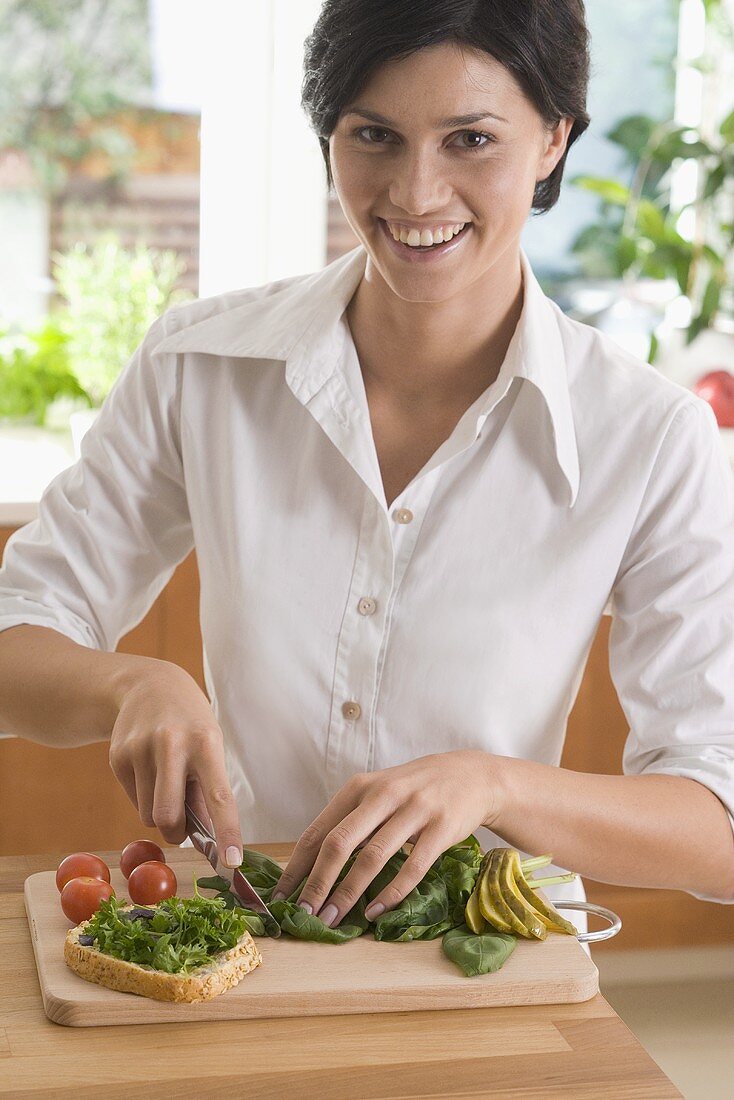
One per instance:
(309, 845)
(125, 776)
(144, 791)
(428, 847)
(168, 798)
(370, 861)
(210, 770)
(338, 845)
(195, 799)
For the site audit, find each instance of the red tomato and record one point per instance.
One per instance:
(81, 897)
(82, 864)
(137, 852)
(151, 882)
(717, 387)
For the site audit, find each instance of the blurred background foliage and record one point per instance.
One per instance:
(109, 297)
(637, 233)
(65, 65)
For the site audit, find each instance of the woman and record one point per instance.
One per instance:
(414, 487)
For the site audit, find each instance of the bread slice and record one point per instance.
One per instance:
(202, 984)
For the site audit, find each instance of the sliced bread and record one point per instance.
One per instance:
(221, 973)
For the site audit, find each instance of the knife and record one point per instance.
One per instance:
(205, 843)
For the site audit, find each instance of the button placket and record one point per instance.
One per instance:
(404, 536)
(358, 648)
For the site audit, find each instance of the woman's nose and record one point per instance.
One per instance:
(417, 185)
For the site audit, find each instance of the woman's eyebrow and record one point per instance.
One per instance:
(453, 120)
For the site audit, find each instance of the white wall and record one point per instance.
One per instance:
(263, 190)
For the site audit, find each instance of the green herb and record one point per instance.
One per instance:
(185, 933)
(478, 954)
(435, 907)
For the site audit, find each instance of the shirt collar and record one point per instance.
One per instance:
(295, 321)
(537, 353)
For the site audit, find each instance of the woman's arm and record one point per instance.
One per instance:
(661, 831)
(165, 743)
(58, 693)
(638, 830)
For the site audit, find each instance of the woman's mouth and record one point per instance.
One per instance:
(427, 245)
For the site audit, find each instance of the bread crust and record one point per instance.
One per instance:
(206, 982)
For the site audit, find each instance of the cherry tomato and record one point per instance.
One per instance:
(81, 864)
(151, 882)
(137, 852)
(81, 897)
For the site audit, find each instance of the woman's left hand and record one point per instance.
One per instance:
(432, 802)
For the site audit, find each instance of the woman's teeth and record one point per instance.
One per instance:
(424, 238)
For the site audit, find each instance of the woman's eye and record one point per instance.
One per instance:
(475, 139)
(373, 135)
(467, 139)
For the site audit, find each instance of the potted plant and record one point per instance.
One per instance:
(111, 296)
(640, 237)
(35, 372)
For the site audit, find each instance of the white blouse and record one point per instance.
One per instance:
(342, 633)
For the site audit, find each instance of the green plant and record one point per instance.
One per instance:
(638, 233)
(112, 296)
(35, 371)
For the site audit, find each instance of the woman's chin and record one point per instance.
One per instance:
(421, 286)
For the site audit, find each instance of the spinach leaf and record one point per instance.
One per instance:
(262, 872)
(213, 883)
(297, 922)
(478, 954)
(423, 914)
(466, 851)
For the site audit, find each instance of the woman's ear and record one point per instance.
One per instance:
(555, 142)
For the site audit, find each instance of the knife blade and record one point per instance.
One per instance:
(205, 843)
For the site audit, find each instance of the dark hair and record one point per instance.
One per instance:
(543, 43)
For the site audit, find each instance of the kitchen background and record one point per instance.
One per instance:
(155, 149)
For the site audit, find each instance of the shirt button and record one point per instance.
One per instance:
(367, 606)
(403, 515)
(351, 710)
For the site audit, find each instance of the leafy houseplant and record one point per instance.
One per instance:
(35, 371)
(112, 296)
(638, 234)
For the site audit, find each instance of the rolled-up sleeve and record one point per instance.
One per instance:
(671, 648)
(110, 529)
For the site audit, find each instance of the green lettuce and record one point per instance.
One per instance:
(183, 933)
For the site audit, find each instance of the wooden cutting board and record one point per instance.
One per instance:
(297, 978)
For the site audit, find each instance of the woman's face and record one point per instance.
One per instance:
(443, 138)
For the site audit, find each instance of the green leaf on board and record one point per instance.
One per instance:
(478, 954)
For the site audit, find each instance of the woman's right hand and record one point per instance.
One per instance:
(166, 745)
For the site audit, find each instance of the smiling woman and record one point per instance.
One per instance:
(384, 468)
(542, 45)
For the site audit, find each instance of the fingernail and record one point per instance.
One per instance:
(278, 896)
(306, 906)
(233, 856)
(374, 911)
(328, 913)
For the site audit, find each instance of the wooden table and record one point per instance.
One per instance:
(568, 1051)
